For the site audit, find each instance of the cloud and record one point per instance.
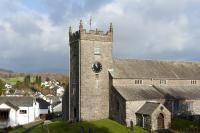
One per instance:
(154, 29)
(31, 42)
(62, 11)
(34, 39)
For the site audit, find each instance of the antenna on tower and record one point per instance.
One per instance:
(90, 22)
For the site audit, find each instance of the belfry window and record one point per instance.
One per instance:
(193, 82)
(163, 81)
(139, 81)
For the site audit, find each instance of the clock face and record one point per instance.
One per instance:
(97, 67)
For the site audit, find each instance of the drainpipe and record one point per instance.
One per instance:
(142, 120)
(28, 114)
(172, 109)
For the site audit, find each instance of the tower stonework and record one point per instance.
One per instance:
(90, 61)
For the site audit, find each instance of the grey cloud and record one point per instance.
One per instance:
(31, 43)
(61, 11)
(155, 29)
(160, 31)
(24, 25)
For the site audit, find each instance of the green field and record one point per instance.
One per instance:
(14, 80)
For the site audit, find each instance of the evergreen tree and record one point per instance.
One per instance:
(27, 80)
(36, 79)
(2, 86)
(39, 80)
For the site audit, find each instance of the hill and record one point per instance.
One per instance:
(5, 72)
(12, 77)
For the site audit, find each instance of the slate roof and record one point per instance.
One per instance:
(180, 92)
(148, 108)
(138, 92)
(20, 101)
(11, 105)
(133, 68)
(42, 103)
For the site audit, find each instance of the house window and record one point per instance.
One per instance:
(4, 115)
(139, 81)
(163, 81)
(22, 111)
(97, 51)
(189, 106)
(193, 82)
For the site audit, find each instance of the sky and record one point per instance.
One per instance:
(34, 33)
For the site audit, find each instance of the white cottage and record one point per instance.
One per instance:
(17, 110)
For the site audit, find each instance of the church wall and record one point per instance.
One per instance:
(131, 108)
(195, 105)
(117, 107)
(74, 80)
(167, 117)
(65, 103)
(119, 82)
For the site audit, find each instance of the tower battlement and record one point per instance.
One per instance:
(96, 35)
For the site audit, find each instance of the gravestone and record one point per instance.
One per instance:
(81, 129)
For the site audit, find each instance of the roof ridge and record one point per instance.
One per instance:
(158, 60)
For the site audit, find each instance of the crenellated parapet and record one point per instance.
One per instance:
(94, 35)
(74, 36)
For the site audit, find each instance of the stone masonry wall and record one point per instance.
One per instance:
(156, 82)
(167, 117)
(117, 107)
(74, 80)
(131, 108)
(94, 87)
(195, 106)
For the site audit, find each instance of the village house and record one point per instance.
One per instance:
(19, 110)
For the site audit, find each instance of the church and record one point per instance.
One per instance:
(147, 93)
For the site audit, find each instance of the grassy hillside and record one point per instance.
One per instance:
(13, 80)
(100, 126)
(181, 125)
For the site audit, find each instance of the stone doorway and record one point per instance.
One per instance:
(160, 121)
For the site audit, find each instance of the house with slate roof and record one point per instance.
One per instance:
(124, 90)
(18, 110)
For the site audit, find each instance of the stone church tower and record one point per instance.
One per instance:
(90, 61)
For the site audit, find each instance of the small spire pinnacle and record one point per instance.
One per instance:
(70, 29)
(90, 22)
(81, 25)
(96, 30)
(111, 27)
